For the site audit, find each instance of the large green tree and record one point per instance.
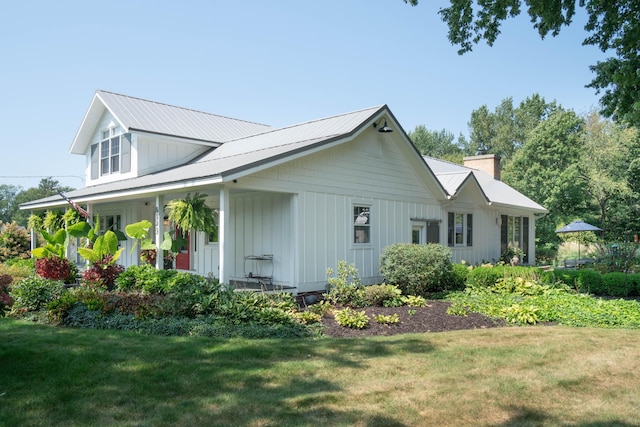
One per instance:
(506, 129)
(546, 170)
(439, 144)
(613, 26)
(606, 149)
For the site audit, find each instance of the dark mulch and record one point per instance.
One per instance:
(433, 318)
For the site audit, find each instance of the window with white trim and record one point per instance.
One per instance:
(361, 224)
(112, 155)
(460, 229)
(110, 151)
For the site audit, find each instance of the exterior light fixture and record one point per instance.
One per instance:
(384, 128)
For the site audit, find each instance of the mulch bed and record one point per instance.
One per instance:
(433, 318)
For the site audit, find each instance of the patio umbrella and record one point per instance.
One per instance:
(578, 226)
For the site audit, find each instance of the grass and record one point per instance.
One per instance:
(515, 376)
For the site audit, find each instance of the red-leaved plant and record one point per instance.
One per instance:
(55, 268)
(5, 299)
(103, 272)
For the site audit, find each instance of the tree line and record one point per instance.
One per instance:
(12, 196)
(578, 167)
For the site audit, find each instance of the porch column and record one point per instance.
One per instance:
(223, 233)
(159, 231)
(34, 239)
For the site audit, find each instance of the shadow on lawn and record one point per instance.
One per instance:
(55, 376)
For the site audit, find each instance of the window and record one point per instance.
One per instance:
(361, 224)
(514, 232)
(110, 222)
(425, 231)
(110, 151)
(460, 229)
(112, 154)
(213, 236)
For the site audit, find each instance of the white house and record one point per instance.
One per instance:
(292, 201)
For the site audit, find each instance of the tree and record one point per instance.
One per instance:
(506, 130)
(47, 187)
(438, 144)
(611, 26)
(545, 170)
(604, 167)
(7, 204)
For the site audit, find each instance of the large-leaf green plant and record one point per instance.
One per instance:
(104, 246)
(58, 242)
(140, 231)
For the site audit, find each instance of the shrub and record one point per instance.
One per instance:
(191, 294)
(617, 284)
(18, 268)
(487, 275)
(103, 272)
(584, 280)
(458, 277)
(55, 268)
(144, 278)
(5, 299)
(417, 269)
(352, 319)
(14, 241)
(382, 295)
(345, 287)
(34, 293)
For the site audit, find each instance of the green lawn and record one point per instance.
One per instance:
(515, 376)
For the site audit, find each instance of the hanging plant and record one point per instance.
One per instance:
(192, 213)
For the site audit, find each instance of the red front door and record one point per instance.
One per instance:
(182, 257)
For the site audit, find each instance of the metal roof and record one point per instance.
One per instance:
(135, 114)
(453, 177)
(155, 117)
(237, 156)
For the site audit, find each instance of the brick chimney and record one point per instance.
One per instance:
(489, 163)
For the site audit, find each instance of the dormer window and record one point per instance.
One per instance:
(110, 151)
(112, 155)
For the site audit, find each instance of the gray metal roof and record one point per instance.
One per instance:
(155, 117)
(135, 114)
(453, 178)
(237, 156)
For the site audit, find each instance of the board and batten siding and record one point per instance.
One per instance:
(261, 225)
(155, 153)
(326, 185)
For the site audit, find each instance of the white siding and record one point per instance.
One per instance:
(327, 185)
(261, 224)
(155, 153)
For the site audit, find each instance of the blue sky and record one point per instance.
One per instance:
(280, 62)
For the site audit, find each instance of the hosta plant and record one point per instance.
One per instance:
(387, 319)
(351, 318)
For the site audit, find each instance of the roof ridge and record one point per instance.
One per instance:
(179, 107)
(308, 122)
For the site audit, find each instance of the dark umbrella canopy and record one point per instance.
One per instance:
(578, 226)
